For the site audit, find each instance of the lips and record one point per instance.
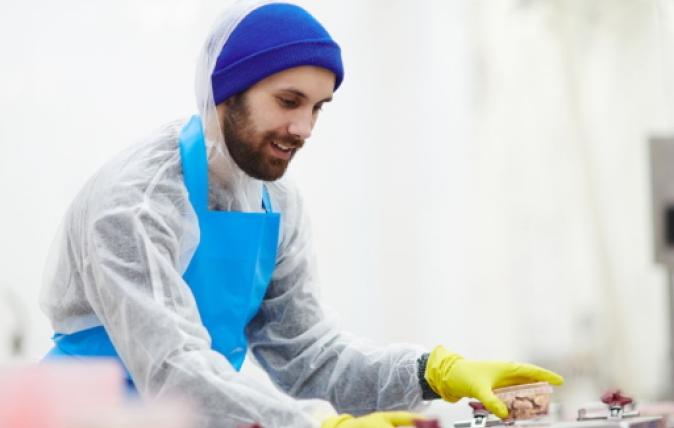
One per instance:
(283, 150)
(282, 146)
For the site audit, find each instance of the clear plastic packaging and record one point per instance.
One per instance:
(526, 401)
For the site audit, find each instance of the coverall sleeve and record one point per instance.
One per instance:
(136, 290)
(303, 351)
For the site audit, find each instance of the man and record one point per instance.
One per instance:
(185, 251)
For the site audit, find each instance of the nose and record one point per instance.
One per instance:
(301, 126)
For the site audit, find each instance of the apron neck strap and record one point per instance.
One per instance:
(266, 200)
(195, 165)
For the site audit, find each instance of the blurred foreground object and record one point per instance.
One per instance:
(68, 394)
(373, 420)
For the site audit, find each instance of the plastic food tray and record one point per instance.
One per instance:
(526, 401)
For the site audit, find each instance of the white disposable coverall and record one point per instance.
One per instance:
(119, 258)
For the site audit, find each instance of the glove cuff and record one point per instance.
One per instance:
(438, 368)
(427, 392)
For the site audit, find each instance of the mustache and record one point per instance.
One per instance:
(286, 140)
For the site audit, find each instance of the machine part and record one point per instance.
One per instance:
(662, 193)
(635, 422)
(616, 417)
(662, 183)
(481, 418)
(616, 402)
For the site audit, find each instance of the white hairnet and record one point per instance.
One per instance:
(119, 258)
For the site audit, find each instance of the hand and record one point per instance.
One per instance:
(453, 378)
(373, 420)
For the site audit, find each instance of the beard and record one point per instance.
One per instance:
(250, 148)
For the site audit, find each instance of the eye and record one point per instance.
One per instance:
(287, 102)
(318, 107)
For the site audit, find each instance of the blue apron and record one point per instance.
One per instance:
(228, 275)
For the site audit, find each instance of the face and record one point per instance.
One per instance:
(266, 125)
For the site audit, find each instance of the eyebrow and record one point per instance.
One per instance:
(303, 95)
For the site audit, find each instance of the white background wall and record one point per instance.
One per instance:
(481, 179)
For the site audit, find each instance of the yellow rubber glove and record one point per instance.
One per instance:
(373, 420)
(453, 378)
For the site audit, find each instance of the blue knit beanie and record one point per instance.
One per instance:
(270, 39)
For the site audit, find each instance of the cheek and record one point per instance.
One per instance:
(270, 121)
(267, 116)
